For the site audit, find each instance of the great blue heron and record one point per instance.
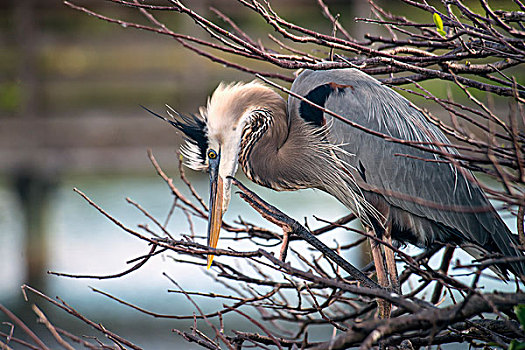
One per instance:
(399, 189)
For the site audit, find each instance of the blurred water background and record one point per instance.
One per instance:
(70, 90)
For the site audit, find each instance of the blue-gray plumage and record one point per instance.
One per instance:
(429, 198)
(421, 197)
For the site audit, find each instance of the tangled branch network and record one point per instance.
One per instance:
(478, 56)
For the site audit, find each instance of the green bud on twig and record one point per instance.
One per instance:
(439, 24)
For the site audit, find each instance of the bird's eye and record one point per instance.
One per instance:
(212, 154)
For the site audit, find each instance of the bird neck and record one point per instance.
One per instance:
(280, 152)
(284, 152)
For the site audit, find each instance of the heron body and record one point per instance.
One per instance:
(424, 197)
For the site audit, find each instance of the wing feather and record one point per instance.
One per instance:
(420, 183)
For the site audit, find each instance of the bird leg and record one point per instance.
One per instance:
(384, 306)
(284, 246)
(391, 262)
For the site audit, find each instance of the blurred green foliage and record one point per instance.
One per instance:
(84, 63)
(10, 96)
(519, 310)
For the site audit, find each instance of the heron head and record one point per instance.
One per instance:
(216, 147)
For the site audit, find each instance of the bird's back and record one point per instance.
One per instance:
(428, 197)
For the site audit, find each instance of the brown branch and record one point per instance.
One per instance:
(43, 319)
(84, 319)
(277, 217)
(479, 50)
(22, 325)
(117, 275)
(368, 332)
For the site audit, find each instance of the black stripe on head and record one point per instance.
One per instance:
(319, 95)
(193, 128)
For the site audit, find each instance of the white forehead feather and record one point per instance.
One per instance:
(228, 111)
(229, 103)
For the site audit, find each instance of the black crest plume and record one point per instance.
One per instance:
(194, 129)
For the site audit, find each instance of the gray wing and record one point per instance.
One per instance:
(414, 181)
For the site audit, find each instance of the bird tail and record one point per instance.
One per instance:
(516, 257)
(506, 256)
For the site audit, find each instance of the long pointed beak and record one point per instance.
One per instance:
(215, 209)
